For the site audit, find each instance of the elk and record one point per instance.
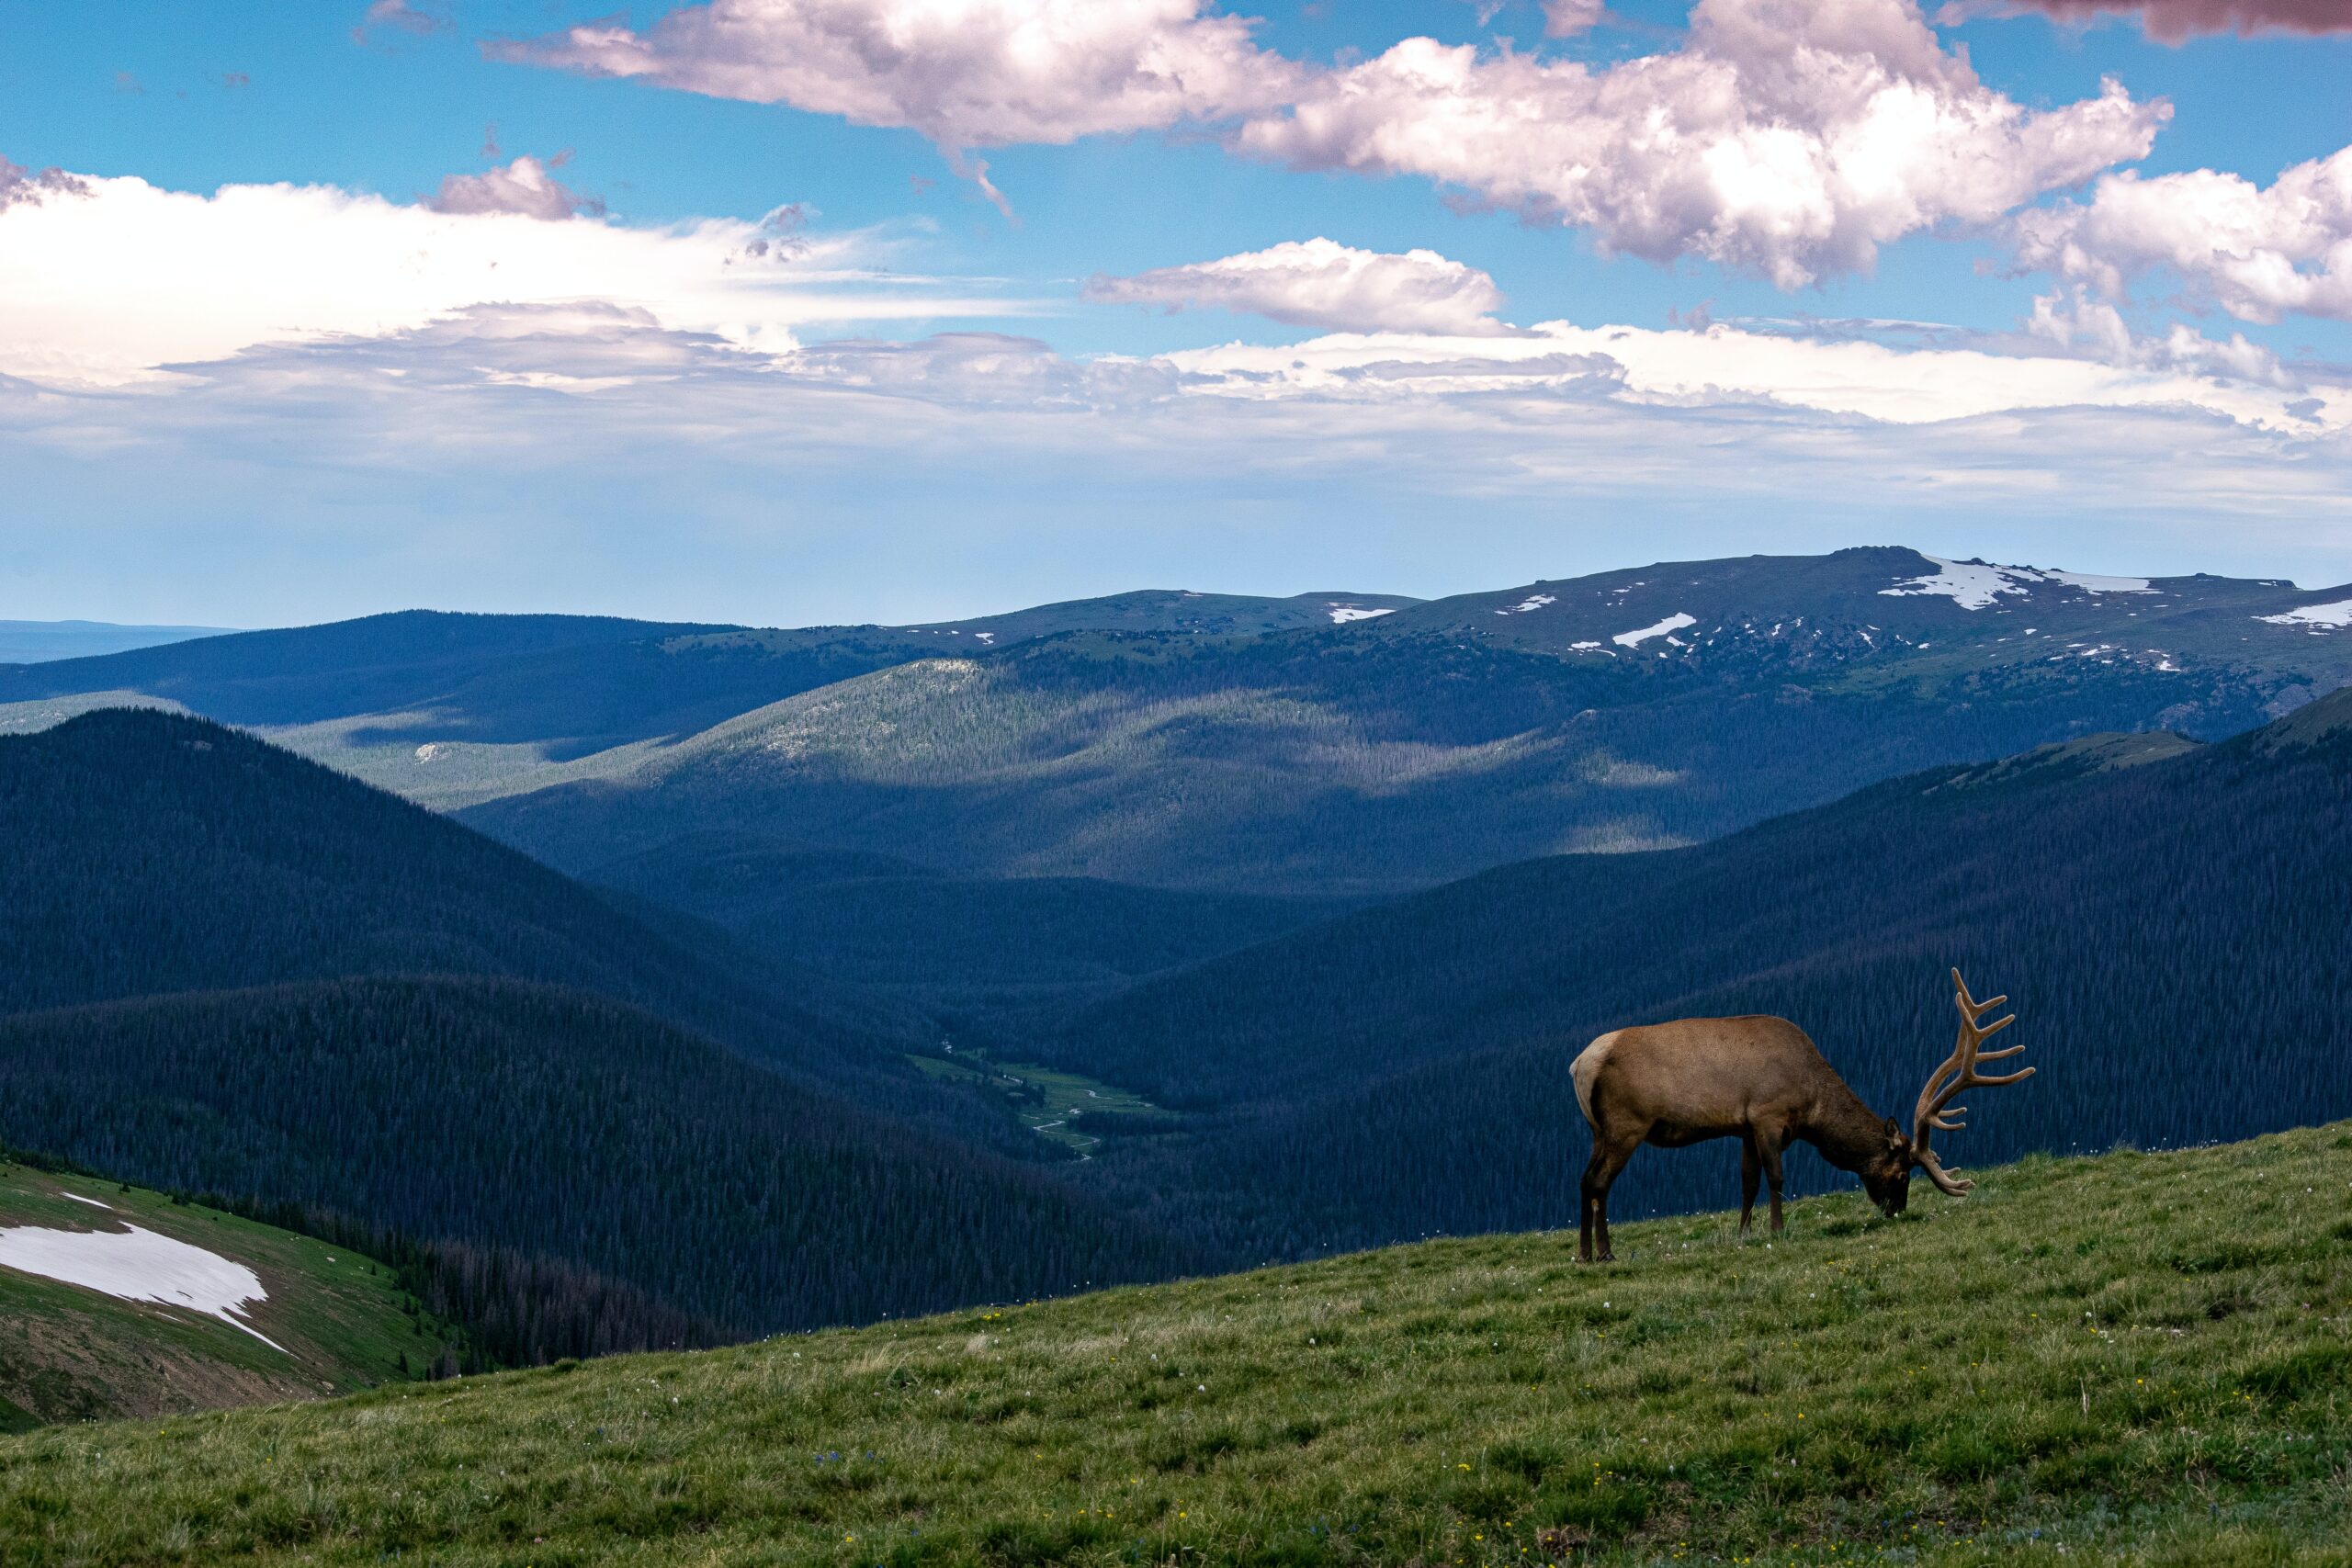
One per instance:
(1762, 1080)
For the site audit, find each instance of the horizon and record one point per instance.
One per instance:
(1007, 608)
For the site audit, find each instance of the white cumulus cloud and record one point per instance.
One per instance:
(1320, 283)
(525, 186)
(1790, 137)
(2260, 253)
(965, 72)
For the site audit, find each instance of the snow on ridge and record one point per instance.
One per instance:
(1673, 623)
(135, 1265)
(2337, 615)
(1973, 585)
(1343, 614)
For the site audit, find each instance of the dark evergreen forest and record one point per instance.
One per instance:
(2173, 933)
(537, 1122)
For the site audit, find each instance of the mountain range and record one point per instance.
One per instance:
(856, 972)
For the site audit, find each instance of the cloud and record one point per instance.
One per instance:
(103, 280)
(29, 188)
(395, 13)
(1726, 367)
(2258, 253)
(523, 186)
(978, 73)
(588, 456)
(1566, 18)
(1319, 283)
(1790, 137)
(2172, 20)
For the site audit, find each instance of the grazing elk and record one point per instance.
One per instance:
(1762, 1080)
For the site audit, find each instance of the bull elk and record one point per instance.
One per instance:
(1763, 1081)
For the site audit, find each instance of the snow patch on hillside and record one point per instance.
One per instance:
(1343, 614)
(136, 1265)
(1673, 623)
(1973, 585)
(2338, 615)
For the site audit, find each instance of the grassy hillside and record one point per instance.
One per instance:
(70, 1353)
(2139, 1357)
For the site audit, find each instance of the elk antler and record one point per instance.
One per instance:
(1959, 1072)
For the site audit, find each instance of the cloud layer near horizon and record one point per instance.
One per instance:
(1320, 283)
(81, 301)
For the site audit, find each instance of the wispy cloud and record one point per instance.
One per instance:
(1320, 283)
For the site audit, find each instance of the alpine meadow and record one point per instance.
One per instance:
(1072, 783)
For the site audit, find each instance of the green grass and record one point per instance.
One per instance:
(2139, 1357)
(71, 1354)
(1051, 1104)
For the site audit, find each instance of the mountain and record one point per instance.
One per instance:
(2167, 916)
(1389, 755)
(225, 968)
(1247, 745)
(1165, 610)
(2133, 1359)
(90, 1273)
(449, 709)
(155, 854)
(500, 1114)
(38, 642)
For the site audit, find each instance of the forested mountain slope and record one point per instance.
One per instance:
(2168, 920)
(503, 1114)
(949, 944)
(151, 853)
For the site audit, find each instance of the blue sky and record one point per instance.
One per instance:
(1242, 427)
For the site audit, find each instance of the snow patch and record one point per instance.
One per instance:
(1673, 623)
(1973, 585)
(429, 751)
(984, 636)
(1343, 614)
(92, 1202)
(136, 1265)
(2313, 616)
(1532, 601)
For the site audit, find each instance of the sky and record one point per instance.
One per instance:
(794, 311)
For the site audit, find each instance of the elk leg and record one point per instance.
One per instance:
(1608, 1159)
(1768, 1145)
(1751, 1171)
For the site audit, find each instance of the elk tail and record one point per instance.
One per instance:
(1586, 1071)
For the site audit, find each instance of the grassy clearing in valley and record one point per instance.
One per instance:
(2141, 1357)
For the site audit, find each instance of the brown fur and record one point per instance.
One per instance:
(1756, 1078)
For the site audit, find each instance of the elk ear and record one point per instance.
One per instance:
(1894, 1139)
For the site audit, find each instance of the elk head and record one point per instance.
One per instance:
(1936, 1113)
